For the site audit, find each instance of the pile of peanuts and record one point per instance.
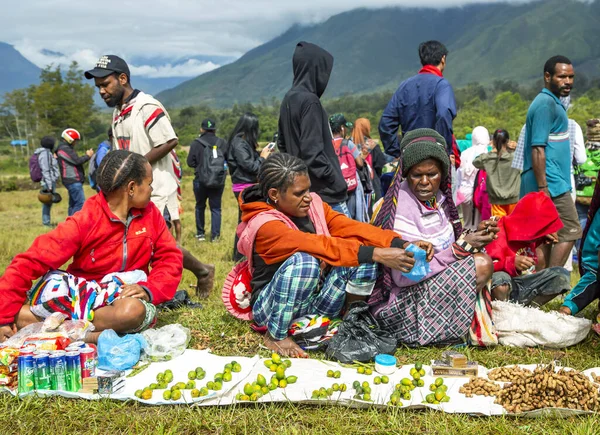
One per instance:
(508, 374)
(545, 388)
(480, 387)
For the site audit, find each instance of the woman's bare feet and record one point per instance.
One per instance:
(286, 347)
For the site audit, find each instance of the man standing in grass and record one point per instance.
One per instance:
(142, 125)
(209, 181)
(423, 101)
(547, 166)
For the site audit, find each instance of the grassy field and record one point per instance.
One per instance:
(212, 327)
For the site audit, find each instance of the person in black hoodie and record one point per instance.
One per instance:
(71, 168)
(244, 161)
(304, 126)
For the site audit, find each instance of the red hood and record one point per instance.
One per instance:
(534, 216)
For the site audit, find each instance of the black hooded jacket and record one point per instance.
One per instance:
(303, 124)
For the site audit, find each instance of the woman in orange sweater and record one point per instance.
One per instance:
(307, 258)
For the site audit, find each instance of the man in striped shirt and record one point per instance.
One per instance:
(142, 125)
(547, 166)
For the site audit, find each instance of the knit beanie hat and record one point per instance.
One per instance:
(47, 142)
(422, 144)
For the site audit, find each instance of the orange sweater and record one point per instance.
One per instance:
(351, 242)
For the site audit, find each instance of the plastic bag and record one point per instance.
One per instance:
(119, 353)
(165, 343)
(359, 337)
(37, 333)
(528, 327)
(421, 267)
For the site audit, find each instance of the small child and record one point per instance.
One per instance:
(533, 222)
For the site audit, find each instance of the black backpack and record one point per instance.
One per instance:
(212, 171)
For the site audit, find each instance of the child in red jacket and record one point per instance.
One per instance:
(533, 222)
(118, 232)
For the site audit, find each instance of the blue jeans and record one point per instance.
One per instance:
(213, 195)
(341, 207)
(76, 197)
(46, 207)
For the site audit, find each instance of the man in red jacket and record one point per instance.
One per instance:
(534, 222)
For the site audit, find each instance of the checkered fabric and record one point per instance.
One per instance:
(294, 291)
(438, 310)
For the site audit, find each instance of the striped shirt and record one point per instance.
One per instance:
(141, 125)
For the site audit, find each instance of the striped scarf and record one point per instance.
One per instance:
(385, 220)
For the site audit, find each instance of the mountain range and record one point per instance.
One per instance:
(375, 49)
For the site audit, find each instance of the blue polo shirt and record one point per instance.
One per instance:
(547, 126)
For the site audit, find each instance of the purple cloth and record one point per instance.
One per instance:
(241, 186)
(415, 222)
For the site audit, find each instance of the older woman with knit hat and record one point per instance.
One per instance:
(439, 307)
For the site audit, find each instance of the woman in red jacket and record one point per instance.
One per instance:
(118, 232)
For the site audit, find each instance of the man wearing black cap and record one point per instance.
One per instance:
(209, 181)
(142, 125)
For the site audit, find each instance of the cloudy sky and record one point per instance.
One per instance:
(165, 38)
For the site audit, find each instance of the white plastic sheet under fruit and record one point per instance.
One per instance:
(312, 374)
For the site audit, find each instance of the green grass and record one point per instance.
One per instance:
(20, 220)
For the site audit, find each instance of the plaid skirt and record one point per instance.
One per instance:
(437, 311)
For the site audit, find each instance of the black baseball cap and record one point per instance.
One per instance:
(107, 65)
(209, 124)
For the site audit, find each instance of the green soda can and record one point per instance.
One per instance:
(73, 371)
(41, 364)
(58, 370)
(26, 371)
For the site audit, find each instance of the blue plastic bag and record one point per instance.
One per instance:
(421, 267)
(119, 353)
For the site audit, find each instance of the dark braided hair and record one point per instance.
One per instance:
(119, 168)
(279, 171)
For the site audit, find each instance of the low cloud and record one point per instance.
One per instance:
(87, 58)
(190, 68)
(174, 30)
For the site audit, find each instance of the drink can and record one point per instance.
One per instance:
(73, 371)
(78, 344)
(42, 371)
(58, 370)
(88, 362)
(26, 371)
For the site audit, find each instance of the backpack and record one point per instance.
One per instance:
(35, 171)
(347, 163)
(212, 171)
(93, 168)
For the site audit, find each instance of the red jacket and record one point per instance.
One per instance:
(99, 243)
(521, 232)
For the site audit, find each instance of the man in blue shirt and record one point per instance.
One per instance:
(423, 101)
(547, 166)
